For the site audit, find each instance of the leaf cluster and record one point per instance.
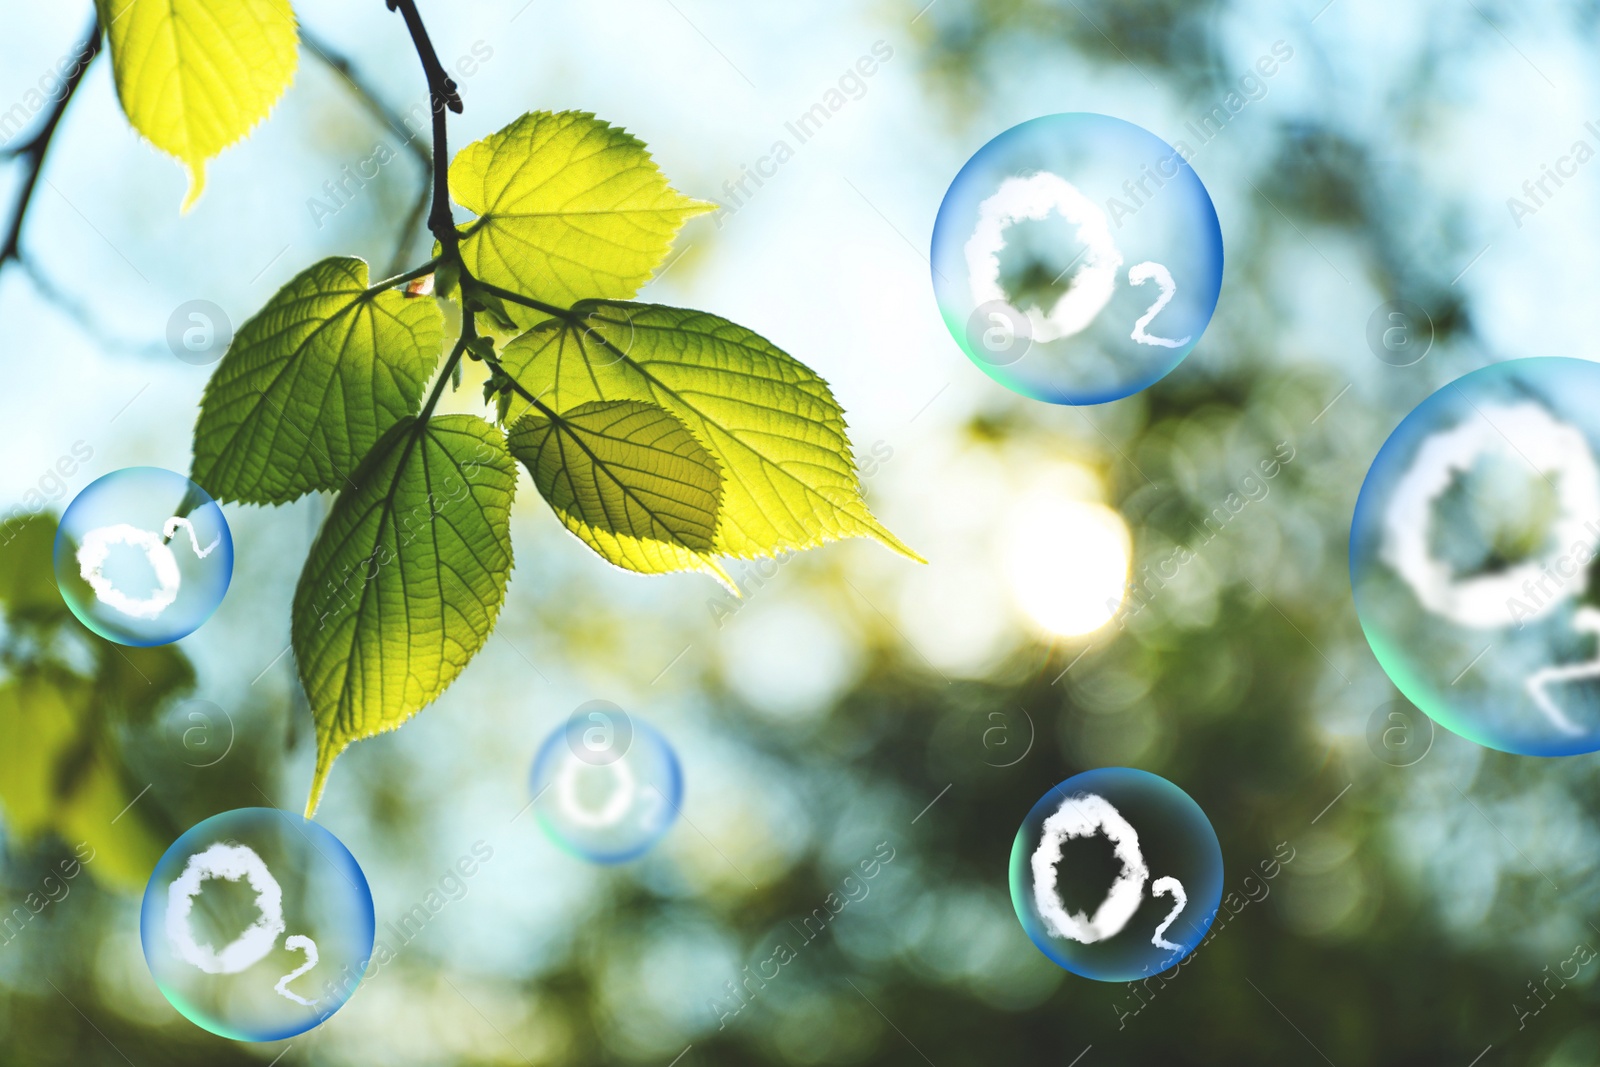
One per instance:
(664, 439)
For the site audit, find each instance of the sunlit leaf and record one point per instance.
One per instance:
(194, 76)
(771, 423)
(405, 580)
(311, 383)
(568, 208)
(629, 480)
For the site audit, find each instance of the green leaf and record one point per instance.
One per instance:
(768, 420)
(194, 76)
(41, 721)
(568, 208)
(629, 480)
(57, 773)
(405, 579)
(311, 383)
(27, 588)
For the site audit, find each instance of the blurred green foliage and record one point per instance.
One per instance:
(66, 697)
(1421, 907)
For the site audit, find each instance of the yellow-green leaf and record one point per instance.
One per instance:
(62, 718)
(568, 208)
(629, 480)
(194, 76)
(405, 580)
(311, 383)
(771, 423)
(56, 775)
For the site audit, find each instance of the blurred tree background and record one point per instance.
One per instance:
(852, 706)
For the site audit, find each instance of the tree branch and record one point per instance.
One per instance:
(442, 94)
(38, 146)
(363, 91)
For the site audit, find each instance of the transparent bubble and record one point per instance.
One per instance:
(1116, 874)
(143, 556)
(257, 924)
(1471, 556)
(1077, 258)
(606, 785)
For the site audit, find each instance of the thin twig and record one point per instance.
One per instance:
(368, 97)
(471, 282)
(80, 313)
(442, 93)
(38, 146)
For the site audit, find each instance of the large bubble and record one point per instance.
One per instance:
(1471, 556)
(1077, 258)
(1116, 874)
(143, 556)
(606, 785)
(257, 924)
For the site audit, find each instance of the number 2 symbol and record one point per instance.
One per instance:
(309, 947)
(1140, 273)
(1162, 887)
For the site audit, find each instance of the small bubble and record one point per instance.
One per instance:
(1472, 550)
(1116, 874)
(257, 925)
(1087, 245)
(199, 332)
(143, 556)
(606, 785)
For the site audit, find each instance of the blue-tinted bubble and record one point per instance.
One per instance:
(257, 924)
(606, 785)
(1116, 874)
(135, 566)
(1471, 556)
(1077, 258)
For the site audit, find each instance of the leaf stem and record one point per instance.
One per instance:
(522, 391)
(36, 147)
(566, 314)
(410, 275)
